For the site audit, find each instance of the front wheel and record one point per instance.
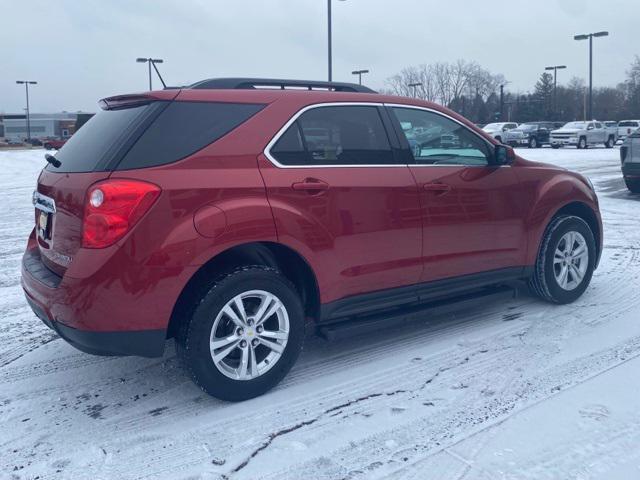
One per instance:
(582, 143)
(244, 334)
(565, 262)
(533, 143)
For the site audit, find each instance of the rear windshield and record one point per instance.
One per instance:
(628, 124)
(149, 135)
(92, 144)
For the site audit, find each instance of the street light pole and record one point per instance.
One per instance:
(359, 73)
(152, 62)
(414, 86)
(555, 69)
(590, 37)
(26, 89)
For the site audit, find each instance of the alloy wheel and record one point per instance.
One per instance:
(249, 335)
(570, 260)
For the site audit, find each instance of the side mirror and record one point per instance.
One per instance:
(503, 155)
(504, 129)
(590, 127)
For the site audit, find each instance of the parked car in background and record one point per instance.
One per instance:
(232, 217)
(498, 130)
(627, 127)
(34, 142)
(630, 158)
(530, 134)
(55, 143)
(582, 135)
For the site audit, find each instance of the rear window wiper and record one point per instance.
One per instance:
(52, 160)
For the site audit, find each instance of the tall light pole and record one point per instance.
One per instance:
(152, 62)
(329, 37)
(26, 84)
(359, 73)
(555, 69)
(590, 36)
(414, 85)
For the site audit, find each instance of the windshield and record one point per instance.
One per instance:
(493, 126)
(576, 125)
(526, 127)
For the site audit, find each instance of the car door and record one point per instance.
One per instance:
(473, 220)
(340, 197)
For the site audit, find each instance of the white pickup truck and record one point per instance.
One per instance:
(627, 127)
(583, 135)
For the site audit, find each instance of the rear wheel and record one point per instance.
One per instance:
(533, 143)
(633, 184)
(565, 262)
(610, 142)
(244, 334)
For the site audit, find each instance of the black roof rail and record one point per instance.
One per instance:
(252, 83)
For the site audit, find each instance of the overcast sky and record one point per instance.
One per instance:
(81, 51)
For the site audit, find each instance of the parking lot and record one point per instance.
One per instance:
(457, 396)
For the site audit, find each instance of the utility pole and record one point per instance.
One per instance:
(26, 84)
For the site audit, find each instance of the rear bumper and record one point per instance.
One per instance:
(121, 309)
(142, 343)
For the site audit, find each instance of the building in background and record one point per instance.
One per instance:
(42, 125)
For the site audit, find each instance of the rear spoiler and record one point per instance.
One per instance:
(118, 102)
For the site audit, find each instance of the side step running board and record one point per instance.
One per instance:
(354, 326)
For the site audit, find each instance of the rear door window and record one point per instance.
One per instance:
(340, 135)
(183, 128)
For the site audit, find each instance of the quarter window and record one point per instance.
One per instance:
(437, 140)
(342, 135)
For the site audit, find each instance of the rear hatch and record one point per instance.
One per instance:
(88, 157)
(131, 132)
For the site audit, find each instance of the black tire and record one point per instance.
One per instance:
(543, 282)
(582, 143)
(633, 184)
(533, 142)
(610, 142)
(192, 339)
(47, 146)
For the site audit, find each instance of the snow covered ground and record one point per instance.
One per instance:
(516, 390)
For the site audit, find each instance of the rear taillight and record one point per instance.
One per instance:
(112, 208)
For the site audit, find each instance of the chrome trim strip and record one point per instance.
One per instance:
(44, 203)
(280, 132)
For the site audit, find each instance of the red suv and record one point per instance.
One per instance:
(231, 213)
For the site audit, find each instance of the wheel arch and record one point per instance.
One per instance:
(581, 210)
(281, 257)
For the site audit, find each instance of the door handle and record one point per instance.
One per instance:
(311, 185)
(438, 188)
